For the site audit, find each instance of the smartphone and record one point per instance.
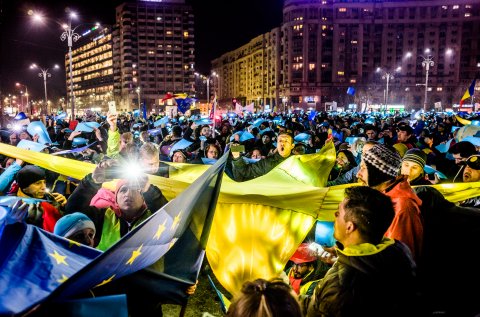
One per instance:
(112, 109)
(237, 148)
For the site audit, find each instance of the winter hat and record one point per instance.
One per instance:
(303, 254)
(71, 223)
(28, 175)
(382, 163)
(416, 156)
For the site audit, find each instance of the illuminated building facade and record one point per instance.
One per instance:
(92, 69)
(153, 52)
(326, 46)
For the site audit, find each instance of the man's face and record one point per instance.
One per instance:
(342, 160)
(458, 158)
(339, 226)
(470, 175)
(256, 154)
(412, 170)
(130, 200)
(301, 269)
(371, 134)
(150, 164)
(178, 158)
(284, 145)
(37, 189)
(362, 174)
(265, 139)
(212, 153)
(13, 139)
(402, 136)
(206, 131)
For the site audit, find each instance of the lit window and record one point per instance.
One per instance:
(159, 18)
(468, 6)
(311, 66)
(169, 32)
(342, 9)
(324, 65)
(429, 88)
(467, 15)
(439, 88)
(340, 73)
(455, 7)
(353, 42)
(353, 81)
(407, 89)
(324, 2)
(185, 34)
(444, 7)
(151, 52)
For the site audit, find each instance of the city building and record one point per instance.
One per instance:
(385, 50)
(92, 70)
(153, 53)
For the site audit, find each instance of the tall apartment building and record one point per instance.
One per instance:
(153, 52)
(326, 46)
(92, 70)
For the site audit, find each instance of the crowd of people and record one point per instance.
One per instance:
(388, 232)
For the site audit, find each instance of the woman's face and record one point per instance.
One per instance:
(212, 153)
(178, 158)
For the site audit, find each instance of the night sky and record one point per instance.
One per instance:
(218, 29)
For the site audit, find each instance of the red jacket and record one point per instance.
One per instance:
(407, 225)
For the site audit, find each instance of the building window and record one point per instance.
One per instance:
(340, 73)
(311, 66)
(439, 88)
(342, 9)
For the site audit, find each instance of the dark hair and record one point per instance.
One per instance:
(370, 210)
(265, 298)
(464, 148)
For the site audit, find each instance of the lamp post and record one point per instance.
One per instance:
(44, 73)
(426, 63)
(138, 96)
(70, 35)
(26, 93)
(387, 76)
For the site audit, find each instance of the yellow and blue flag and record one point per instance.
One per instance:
(37, 267)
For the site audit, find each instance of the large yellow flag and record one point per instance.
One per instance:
(258, 224)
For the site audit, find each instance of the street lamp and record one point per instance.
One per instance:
(45, 74)
(426, 63)
(138, 96)
(26, 93)
(70, 35)
(388, 76)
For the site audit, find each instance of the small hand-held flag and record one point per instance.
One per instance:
(469, 92)
(351, 91)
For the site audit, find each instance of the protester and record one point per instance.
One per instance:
(77, 227)
(243, 171)
(271, 298)
(305, 271)
(128, 209)
(374, 275)
(379, 169)
(413, 164)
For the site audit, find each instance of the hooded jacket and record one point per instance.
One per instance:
(407, 225)
(367, 280)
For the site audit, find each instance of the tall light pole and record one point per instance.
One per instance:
(44, 73)
(387, 76)
(139, 104)
(70, 35)
(26, 93)
(426, 63)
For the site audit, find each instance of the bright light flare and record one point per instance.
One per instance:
(17, 127)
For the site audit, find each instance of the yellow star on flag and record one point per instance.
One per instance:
(105, 281)
(63, 279)
(135, 253)
(176, 220)
(58, 257)
(160, 230)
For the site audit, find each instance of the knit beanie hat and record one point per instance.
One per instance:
(382, 163)
(416, 156)
(71, 223)
(29, 175)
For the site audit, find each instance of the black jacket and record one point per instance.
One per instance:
(381, 283)
(244, 172)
